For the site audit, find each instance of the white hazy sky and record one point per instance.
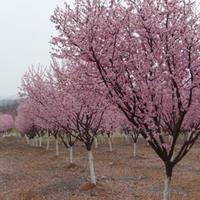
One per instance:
(24, 39)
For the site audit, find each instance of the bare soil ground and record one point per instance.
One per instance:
(32, 173)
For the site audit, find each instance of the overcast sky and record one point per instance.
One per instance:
(24, 39)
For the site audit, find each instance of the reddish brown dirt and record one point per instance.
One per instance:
(32, 173)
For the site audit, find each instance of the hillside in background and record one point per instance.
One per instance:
(9, 104)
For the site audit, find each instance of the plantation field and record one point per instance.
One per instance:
(32, 173)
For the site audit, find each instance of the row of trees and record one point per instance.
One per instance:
(137, 58)
(70, 107)
(6, 123)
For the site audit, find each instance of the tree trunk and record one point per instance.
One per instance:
(127, 139)
(48, 143)
(124, 137)
(170, 138)
(95, 142)
(36, 141)
(166, 193)
(33, 141)
(27, 139)
(71, 154)
(173, 155)
(134, 149)
(40, 139)
(167, 182)
(57, 148)
(91, 165)
(67, 141)
(102, 139)
(110, 144)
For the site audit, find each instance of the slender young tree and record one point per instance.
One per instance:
(25, 125)
(85, 108)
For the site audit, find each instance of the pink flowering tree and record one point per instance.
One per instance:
(130, 130)
(111, 123)
(114, 121)
(146, 53)
(85, 105)
(108, 126)
(48, 109)
(25, 122)
(62, 95)
(6, 123)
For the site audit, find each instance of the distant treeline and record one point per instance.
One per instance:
(9, 106)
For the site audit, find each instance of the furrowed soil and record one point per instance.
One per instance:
(32, 173)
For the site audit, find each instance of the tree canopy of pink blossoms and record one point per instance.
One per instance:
(66, 99)
(24, 120)
(6, 123)
(146, 53)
